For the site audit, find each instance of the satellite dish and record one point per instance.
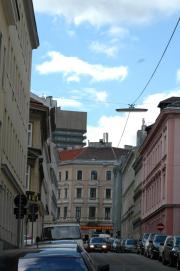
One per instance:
(131, 108)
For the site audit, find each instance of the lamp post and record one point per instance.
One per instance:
(131, 108)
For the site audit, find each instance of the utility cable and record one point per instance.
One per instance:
(152, 75)
(124, 129)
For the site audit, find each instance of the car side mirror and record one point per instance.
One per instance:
(104, 267)
(169, 245)
(161, 244)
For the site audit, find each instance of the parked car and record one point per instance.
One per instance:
(122, 245)
(178, 258)
(130, 245)
(171, 247)
(148, 244)
(110, 243)
(154, 245)
(161, 248)
(116, 246)
(60, 258)
(98, 244)
(141, 243)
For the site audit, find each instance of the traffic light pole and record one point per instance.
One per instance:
(19, 226)
(32, 232)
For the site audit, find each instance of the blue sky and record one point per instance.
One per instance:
(97, 55)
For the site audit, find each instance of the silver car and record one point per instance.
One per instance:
(130, 245)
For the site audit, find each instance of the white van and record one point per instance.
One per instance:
(68, 231)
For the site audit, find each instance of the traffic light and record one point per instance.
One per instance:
(32, 212)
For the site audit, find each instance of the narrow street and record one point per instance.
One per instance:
(129, 262)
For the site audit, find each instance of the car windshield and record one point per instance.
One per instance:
(160, 238)
(61, 232)
(52, 263)
(98, 240)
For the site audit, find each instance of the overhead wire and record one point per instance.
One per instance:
(152, 75)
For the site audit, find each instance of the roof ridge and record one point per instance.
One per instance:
(81, 151)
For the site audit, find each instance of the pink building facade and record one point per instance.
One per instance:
(161, 173)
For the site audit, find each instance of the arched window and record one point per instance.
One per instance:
(93, 175)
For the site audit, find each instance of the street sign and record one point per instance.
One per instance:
(20, 200)
(160, 226)
(20, 212)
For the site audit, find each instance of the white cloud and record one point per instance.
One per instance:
(90, 94)
(178, 75)
(108, 12)
(114, 125)
(73, 66)
(63, 102)
(110, 51)
(99, 96)
(73, 78)
(71, 33)
(118, 32)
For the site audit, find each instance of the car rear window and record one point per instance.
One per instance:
(131, 242)
(61, 232)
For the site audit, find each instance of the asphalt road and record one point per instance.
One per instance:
(129, 262)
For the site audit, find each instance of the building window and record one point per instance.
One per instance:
(78, 213)
(65, 212)
(58, 213)
(92, 193)
(108, 193)
(30, 134)
(79, 175)
(79, 193)
(59, 193)
(92, 212)
(65, 193)
(60, 176)
(66, 175)
(107, 213)
(108, 175)
(93, 175)
(28, 174)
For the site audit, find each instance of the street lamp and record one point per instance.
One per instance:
(131, 108)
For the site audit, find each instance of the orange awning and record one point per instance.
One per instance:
(103, 227)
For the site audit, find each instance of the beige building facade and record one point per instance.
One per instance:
(85, 186)
(18, 37)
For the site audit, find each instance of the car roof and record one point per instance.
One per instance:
(61, 225)
(71, 251)
(49, 252)
(71, 244)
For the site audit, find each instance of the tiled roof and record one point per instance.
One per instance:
(93, 153)
(69, 154)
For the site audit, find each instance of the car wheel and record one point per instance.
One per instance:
(171, 262)
(164, 260)
(151, 255)
(178, 264)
